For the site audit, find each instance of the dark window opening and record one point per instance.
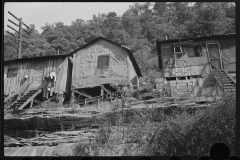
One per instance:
(196, 76)
(194, 51)
(177, 49)
(103, 61)
(12, 72)
(182, 78)
(170, 78)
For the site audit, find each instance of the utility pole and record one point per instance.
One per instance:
(20, 33)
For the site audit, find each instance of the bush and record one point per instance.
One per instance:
(194, 135)
(81, 150)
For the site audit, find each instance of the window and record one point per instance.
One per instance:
(194, 51)
(103, 61)
(177, 49)
(170, 78)
(12, 72)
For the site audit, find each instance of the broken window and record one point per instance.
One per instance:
(194, 51)
(12, 72)
(103, 61)
(177, 49)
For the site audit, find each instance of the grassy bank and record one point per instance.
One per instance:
(148, 133)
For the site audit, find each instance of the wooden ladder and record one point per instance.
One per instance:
(181, 65)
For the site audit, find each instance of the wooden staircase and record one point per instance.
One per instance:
(227, 83)
(24, 100)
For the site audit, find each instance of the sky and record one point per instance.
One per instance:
(40, 13)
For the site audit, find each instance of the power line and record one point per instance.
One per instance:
(20, 33)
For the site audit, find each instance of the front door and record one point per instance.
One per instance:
(214, 55)
(38, 75)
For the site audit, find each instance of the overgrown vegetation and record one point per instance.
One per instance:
(194, 135)
(151, 131)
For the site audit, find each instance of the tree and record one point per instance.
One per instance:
(37, 45)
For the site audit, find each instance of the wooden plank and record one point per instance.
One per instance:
(45, 68)
(62, 73)
(20, 76)
(30, 71)
(58, 75)
(71, 59)
(5, 72)
(81, 93)
(64, 76)
(105, 89)
(6, 86)
(182, 81)
(11, 85)
(54, 64)
(50, 65)
(31, 103)
(182, 87)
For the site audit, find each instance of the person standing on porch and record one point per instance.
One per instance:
(52, 82)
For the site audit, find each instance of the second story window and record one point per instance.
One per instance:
(177, 49)
(103, 61)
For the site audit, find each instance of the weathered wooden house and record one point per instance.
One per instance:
(186, 63)
(100, 63)
(29, 90)
(87, 71)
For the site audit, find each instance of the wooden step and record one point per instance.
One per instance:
(225, 80)
(22, 99)
(229, 84)
(225, 88)
(29, 95)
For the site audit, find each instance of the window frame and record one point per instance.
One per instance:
(174, 50)
(108, 61)
(10, 75)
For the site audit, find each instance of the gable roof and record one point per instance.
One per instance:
(131, 56)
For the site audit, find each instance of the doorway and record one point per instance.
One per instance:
(38, 75)
(214, 55)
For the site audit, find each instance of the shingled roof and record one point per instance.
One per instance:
(131, 56)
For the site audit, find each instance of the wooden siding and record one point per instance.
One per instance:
(56, 64)
(86, 73)
(194, 65)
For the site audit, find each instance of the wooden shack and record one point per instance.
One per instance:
(101, 63)
(187, 62)
(36, 68)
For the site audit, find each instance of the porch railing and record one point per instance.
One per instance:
(18, 92)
